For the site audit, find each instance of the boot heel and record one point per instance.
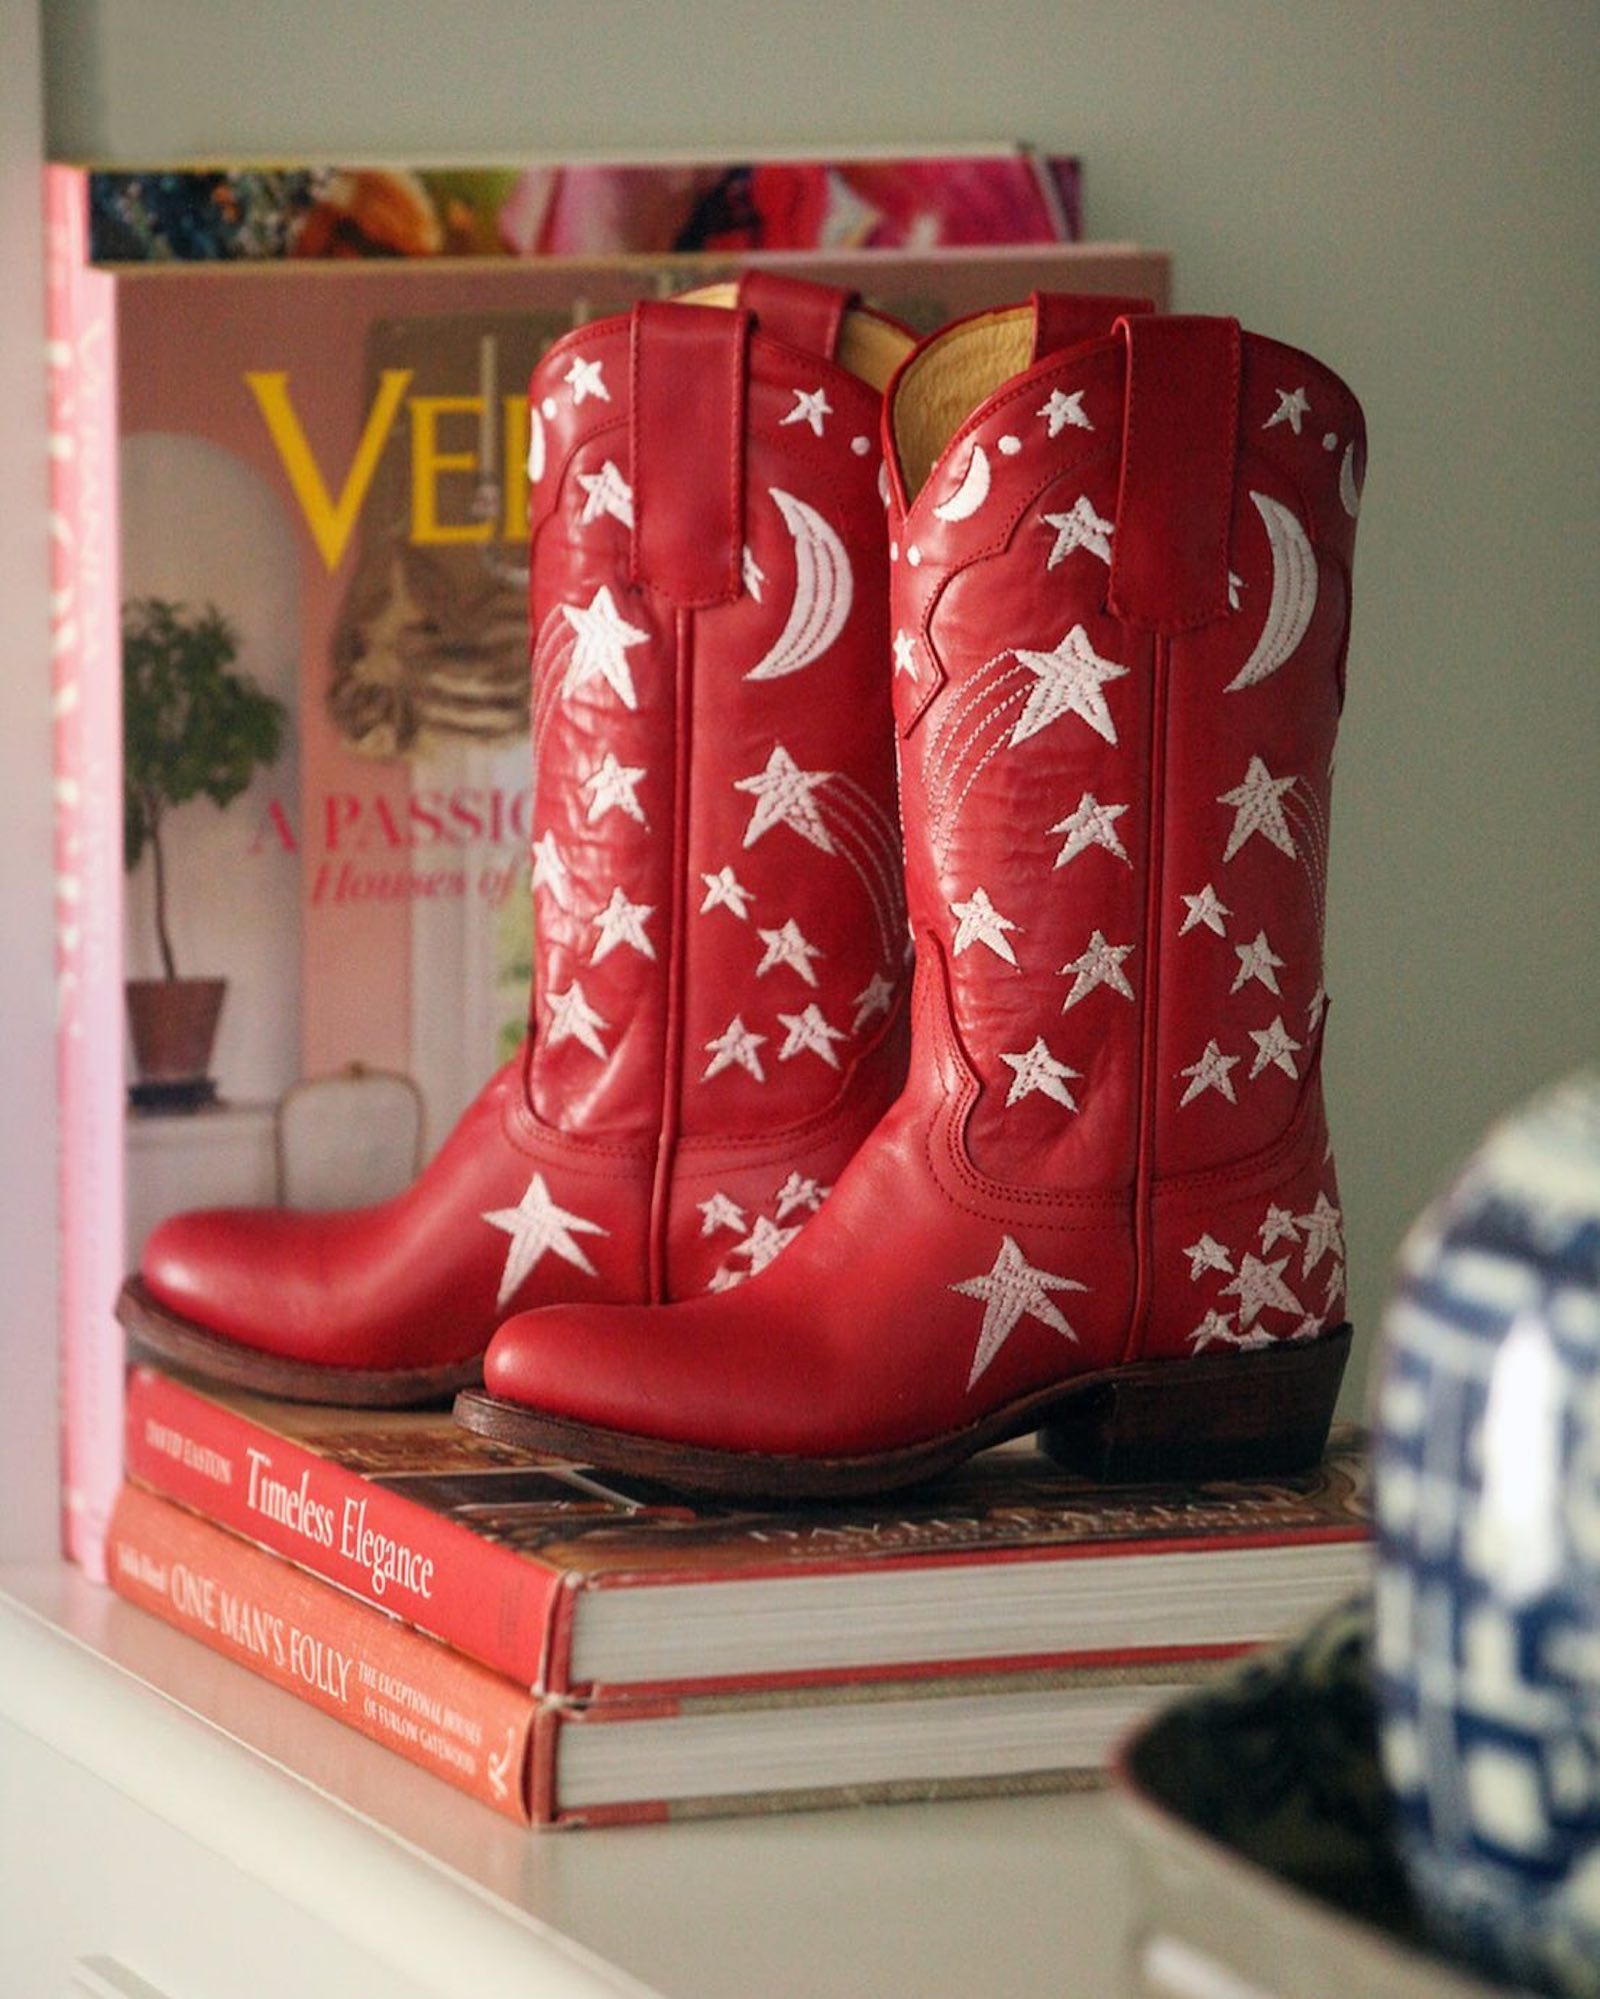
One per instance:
(1234, 1415)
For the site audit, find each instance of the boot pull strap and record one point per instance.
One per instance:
(1067, 319)
(1180, 428)
(796, 312)
(686, 450)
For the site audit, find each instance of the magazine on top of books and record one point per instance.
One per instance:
(582, 1585)
(552, 1760)
(648, 204)
(328, 453)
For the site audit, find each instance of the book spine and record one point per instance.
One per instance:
(497, 1607)
(410, 1693)
(86, 706)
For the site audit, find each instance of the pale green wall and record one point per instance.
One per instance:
(1410, 190)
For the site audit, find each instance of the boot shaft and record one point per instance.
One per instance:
(1120, 600)
(718, 908)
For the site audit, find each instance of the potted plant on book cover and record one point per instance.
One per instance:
(192, 727)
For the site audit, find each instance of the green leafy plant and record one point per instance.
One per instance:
(191, 727)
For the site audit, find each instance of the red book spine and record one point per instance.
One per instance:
(86, 691)
(442, 1712)
(502, 1609)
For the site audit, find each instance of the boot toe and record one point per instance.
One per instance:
(216, 1268)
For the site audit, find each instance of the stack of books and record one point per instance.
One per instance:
(577, 1649)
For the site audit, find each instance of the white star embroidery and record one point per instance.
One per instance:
(622, 922)
(1259, 1285)
(1068, 680)
(763, 1243)
(799, 1191)
(1012, 1289)
(1324, 1234)
(1208, 1254)
(606, 492)
(875, 997)
(1214, 1328)
(1063, 409)
(1091, 824)
(811, 406)
(810, 1031)
(905, 654)
(584, 379)
(550, 869)
(1235, 585)
(979, 922)
(1037, 1069)
(720, 1212)
(1293, 407)
(788, 947)
(614, 787)
(1210, 1073)
(1277, 1226)
(538, 1227)
(1079, 527)
(1258, 961)
(1316, 1007)
(783, 798)
(725, 1279)
(1258, 809)
(1275, 1049)
(724, 890)
(752, 572)
(1098, 964)
(1206, 908)
(604, 640)
(573, 1019)
(737, 1046)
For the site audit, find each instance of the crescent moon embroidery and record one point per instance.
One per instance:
(823, 589)
(1349, 491)
(1294, 593)
(970, 495)
(535, 446)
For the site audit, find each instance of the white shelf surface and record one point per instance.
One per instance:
(1005, 1897)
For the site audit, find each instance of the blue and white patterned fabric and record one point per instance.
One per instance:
(1487, 1488)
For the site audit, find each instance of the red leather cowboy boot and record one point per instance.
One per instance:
(717, 1014)
(1105, 1203)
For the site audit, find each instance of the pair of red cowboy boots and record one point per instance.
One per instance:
(1103, 641)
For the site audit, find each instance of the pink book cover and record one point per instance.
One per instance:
(329, 452)
(332, 453)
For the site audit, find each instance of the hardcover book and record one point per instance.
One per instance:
(586, 1587)
(550, 1760)
(324, 453)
